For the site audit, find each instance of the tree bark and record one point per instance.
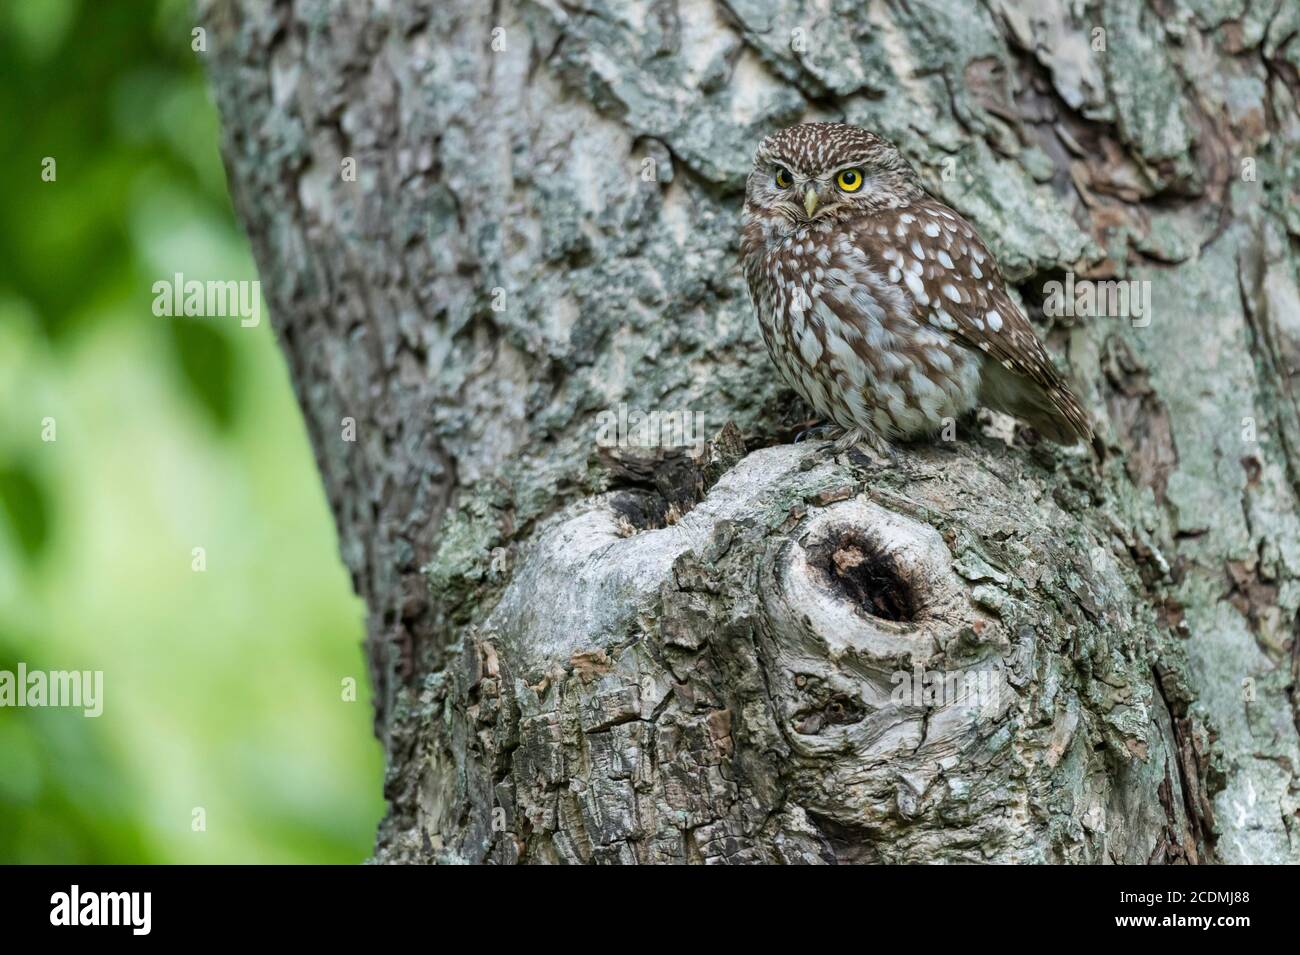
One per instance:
(718, 653)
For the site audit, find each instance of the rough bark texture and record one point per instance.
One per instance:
(640, 655)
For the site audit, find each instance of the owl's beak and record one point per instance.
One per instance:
(810, 201)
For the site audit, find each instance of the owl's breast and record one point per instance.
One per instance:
(845, 335)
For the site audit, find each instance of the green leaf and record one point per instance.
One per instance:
(207, 364)
(27, 507)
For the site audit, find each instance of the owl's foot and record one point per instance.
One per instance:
(869, 442)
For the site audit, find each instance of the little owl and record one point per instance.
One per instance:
(879, 304)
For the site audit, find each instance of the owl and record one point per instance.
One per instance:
(880, 305)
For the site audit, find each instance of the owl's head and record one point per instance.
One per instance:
(827, 170)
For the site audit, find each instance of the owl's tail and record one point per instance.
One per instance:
(1053, 411)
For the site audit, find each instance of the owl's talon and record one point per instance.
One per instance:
(818, 431)
(847, 439)
(869, 443)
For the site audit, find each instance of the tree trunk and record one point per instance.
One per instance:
(593, 643)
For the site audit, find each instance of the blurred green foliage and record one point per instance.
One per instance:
(129, 440)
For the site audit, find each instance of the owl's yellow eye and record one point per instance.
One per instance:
(783, 179)
(850, 180)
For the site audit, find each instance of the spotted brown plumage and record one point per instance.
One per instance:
(880, 305)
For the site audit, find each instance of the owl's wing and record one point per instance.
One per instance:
(955, 285)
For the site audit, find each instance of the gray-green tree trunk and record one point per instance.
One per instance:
(587, 653)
